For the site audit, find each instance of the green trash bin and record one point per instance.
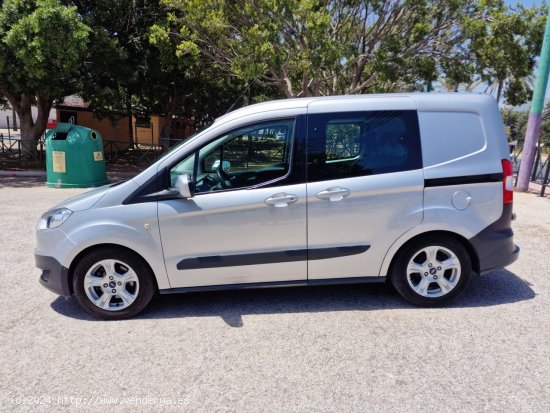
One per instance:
(74, 157)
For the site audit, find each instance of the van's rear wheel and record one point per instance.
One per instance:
(431, 271)
(113, 283)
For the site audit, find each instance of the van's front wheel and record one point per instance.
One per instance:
(431, 271)
(113, 283)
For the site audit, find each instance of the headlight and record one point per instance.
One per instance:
(53, 219)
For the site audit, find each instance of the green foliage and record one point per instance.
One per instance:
(198, 58)
(42, 45)
(545, 126)
(117, 60)
(314, 47)
(516, 121)
(503, 43)
(139, 62)
(246, 39)
(45, 41)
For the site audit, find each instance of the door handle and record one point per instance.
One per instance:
(333, 194)
(281, 200)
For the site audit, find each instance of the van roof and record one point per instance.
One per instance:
(459, 99)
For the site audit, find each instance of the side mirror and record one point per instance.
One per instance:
(184, 186)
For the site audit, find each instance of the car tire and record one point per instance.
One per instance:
(113, 283)
(431, 271)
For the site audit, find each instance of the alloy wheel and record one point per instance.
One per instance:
(433, 271)
(111, 285)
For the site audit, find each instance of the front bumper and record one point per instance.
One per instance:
(54, 276)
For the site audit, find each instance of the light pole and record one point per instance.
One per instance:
(535, 117)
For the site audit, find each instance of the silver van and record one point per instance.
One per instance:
(415, 190)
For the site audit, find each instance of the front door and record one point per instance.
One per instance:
(246, 222)
(365, 186)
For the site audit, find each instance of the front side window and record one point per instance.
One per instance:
(343, 145)
(246, 157)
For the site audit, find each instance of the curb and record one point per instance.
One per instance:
(42, 174)
(38, 174)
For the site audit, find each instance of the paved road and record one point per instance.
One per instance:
(353, 348)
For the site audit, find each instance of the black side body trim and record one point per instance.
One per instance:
(335, 252)
(54, 276)
(275, 284)
(494, 245)
(463, 180)
(217, 261)
(351, 280)
(222, 287)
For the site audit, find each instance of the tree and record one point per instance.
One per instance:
(545, 126)
(42, 44)
(135, 65)
(321, 48)
(116, 65)
(503, 44)
(516, 121)
(314, 47)
(184, 83)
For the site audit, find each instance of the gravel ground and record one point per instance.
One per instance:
(345, 348)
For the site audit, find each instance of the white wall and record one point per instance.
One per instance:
(4, 113)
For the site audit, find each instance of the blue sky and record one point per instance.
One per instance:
(527, 2)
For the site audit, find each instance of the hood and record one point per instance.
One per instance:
(86, 200)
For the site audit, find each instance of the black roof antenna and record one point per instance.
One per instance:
(239, 98)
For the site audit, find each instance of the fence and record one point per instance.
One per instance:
(12, 150)
(541, 168)
(131, 153)
(15, 151)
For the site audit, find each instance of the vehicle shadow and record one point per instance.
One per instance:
(499, 287)
(22, 181)
(7, 181)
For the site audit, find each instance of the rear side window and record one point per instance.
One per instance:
(448, 136)
(344, 145)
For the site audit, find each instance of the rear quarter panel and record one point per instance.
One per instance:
(460, 137)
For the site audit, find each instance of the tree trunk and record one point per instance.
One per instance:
(164, 137)
(499, 90)
(130, 121)
(30, 130)
(28, 144)
(44, 106)
(14, 120)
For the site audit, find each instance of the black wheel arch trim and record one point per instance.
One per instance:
(441, 233)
